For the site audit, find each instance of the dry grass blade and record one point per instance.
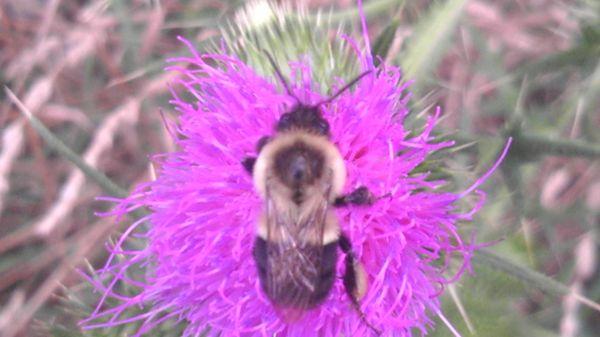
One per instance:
(7, 315)
(124, 116)
(127, 114)
(585, 266)
(461, 307)
(12, 142)
(62, 113)
(156, 20)
(63, 149)
(81, 247)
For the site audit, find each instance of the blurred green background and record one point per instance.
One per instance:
(91, 72)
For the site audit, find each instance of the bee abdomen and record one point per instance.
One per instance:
(301, 279)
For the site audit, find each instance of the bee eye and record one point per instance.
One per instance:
(323, 127)
(262, 142)
(285, 121)
(285, 118)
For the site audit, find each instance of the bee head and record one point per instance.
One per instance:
(307, 117)
(298, 165)
(304, 117)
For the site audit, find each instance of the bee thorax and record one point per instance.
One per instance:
(296, 161)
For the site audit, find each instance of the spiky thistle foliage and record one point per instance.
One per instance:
(289, 33)
(195, 265)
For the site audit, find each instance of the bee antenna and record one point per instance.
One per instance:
(280, 75)
(344, 88)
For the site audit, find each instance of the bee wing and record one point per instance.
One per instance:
(295, 250)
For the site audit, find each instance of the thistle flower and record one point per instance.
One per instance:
(203, 209)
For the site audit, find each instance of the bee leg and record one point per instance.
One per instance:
(259, 253)
(360, 196)
(355, 280)
(248, 164)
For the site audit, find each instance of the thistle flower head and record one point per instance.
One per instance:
(203, 208)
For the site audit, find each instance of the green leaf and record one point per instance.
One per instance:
(431, 38)
(384, 41)
(371, 8)
(288, 35)
(577, 56)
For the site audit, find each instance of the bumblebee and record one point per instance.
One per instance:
(299, 173)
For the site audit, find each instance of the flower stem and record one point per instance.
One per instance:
(538, 144)
(531, 277)
(527, 146)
